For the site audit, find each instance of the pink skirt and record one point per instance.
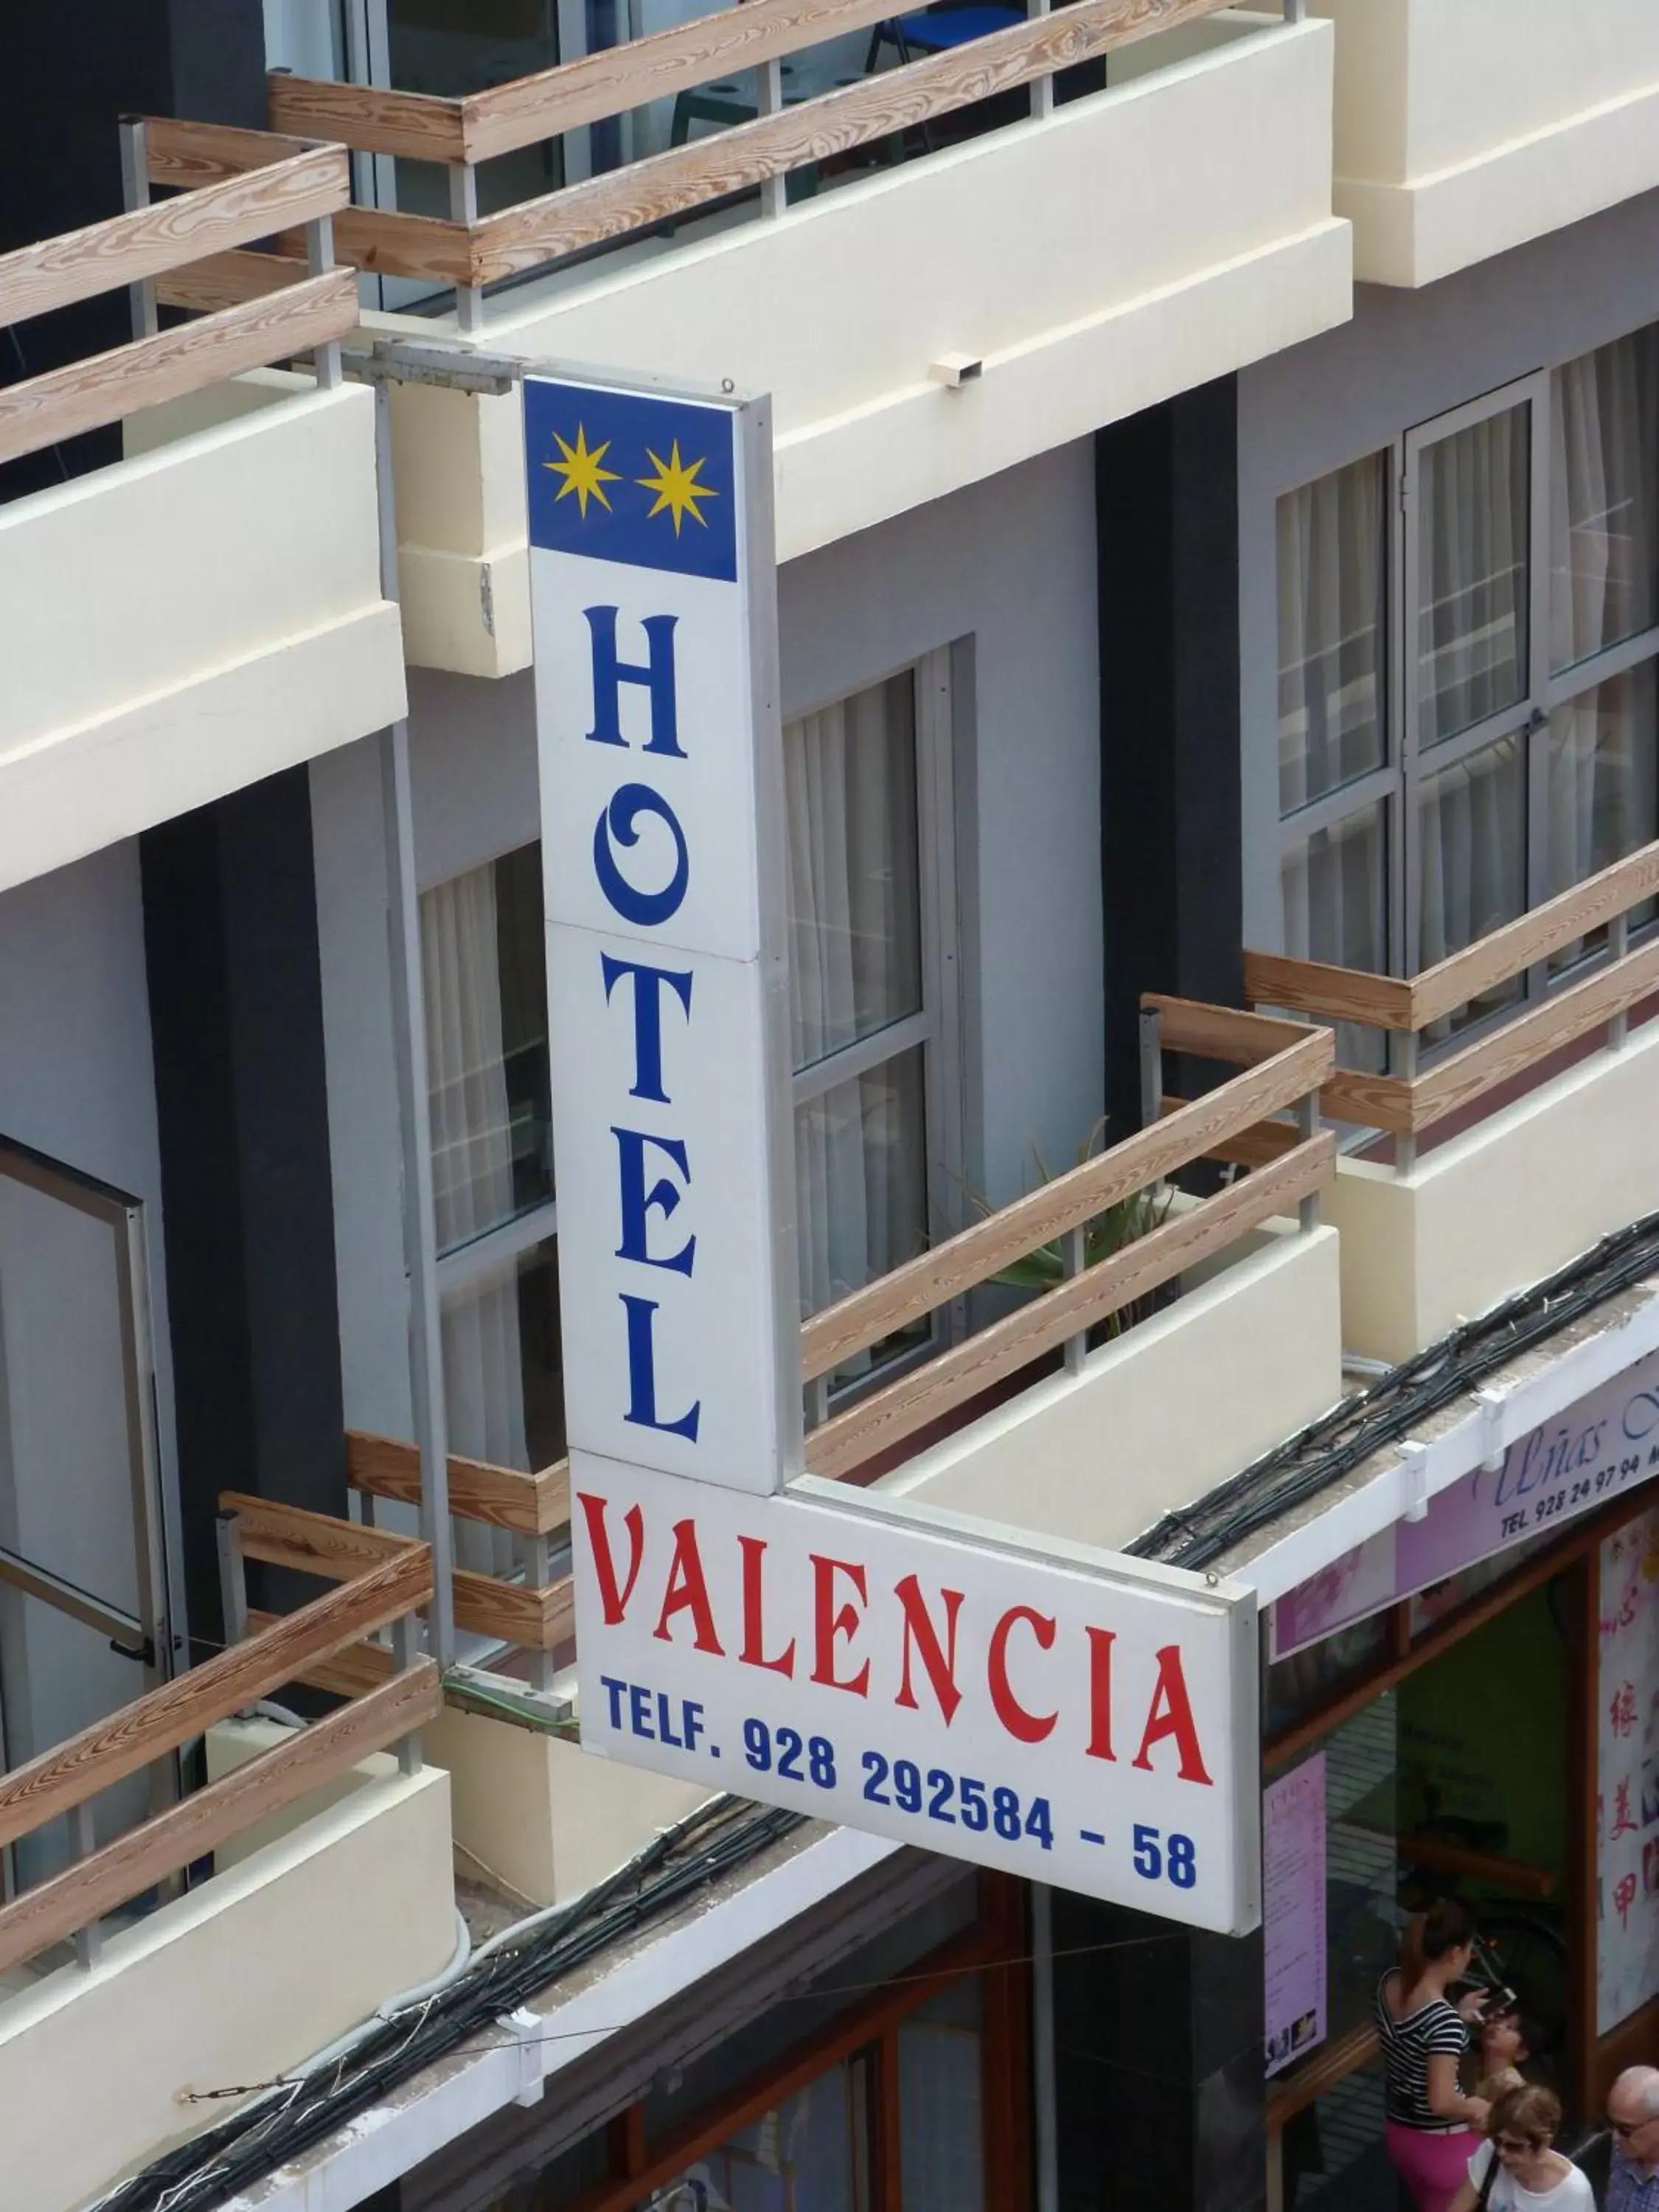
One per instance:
(1433, 2167)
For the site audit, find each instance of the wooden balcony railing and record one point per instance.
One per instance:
(237, 187)
(1406, 1102)
(470, 252)
(1286, 1063)
(378, 1592)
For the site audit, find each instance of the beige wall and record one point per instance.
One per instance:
(1134, 244)
(543, 1815)
(1499, 1207)
(238, 1981)
(1466, 127)
(184, 622)
(1159, 1416)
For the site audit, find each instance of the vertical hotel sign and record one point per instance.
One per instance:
(653, 603)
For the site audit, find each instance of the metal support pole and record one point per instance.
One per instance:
(1074, 1259)
(402, 1655)
(320, 259)
(769, 101)
(1042, 87)
(538, 1567)
(1618, 946)
(464, 209)
(426, 1357)
(1043, 2047)
(1296, 11)
(89, 1940)
(134, 193)
(1403, 1055)
(233, 1578)
(1307, 1124)
(1151, 1069)
(818, 1401)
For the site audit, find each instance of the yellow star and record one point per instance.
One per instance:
(581, 472)
(676, 486)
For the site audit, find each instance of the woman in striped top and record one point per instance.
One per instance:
(1424, 2036)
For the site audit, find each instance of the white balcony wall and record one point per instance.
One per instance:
(1465, 127)
(1135, 243)
(189, 620)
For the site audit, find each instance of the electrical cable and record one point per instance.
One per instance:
(1340, 1441)
(207, 2167)
(514, 1966)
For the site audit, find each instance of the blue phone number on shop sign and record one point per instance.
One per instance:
(933, 1793)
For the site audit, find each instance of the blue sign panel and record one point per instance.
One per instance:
(617, 476)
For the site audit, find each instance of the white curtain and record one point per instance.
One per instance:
(861, 1148)
(1604, 471)
(1332, 551)
(472, 1179)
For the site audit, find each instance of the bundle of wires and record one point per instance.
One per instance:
(1341, 1440)
(290, 2117)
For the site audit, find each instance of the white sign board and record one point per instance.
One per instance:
(1089, 1725)
(652, 599)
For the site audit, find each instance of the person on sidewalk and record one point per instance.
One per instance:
(1518, 2169)
(1424, 2036)
(1622, 2163)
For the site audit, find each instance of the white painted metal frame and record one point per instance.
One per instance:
(1397, 783)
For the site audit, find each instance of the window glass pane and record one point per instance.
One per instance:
(861, 1186)
(502, 1373)
(483, 969)
(1604, 498)
(1332, 637)
(810, 2154)
(452, 47)
(1334, 890)
(1472, 575)
(1602, 804)
(853, 879)
(941, 2124)
(1471, 821)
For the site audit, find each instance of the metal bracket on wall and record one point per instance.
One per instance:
(452, 369)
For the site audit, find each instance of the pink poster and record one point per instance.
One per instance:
(1293, 1911)
(1607, 1443)
(1627, 1774)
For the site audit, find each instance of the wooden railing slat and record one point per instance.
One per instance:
(109, 387)
(228, 280)
(310, 1543)
(887, 1416)
(671, 183)
(1249, 1148)
(420, 125)
(1372, 1102)
(162, 1720)
(55, 1909)
(79, 264)
(1220, 1032)
(1546, 929)
(187, 154)
(360, 1666)
(534, 1620)
(962, 1262)
(1341, 994)
(1521, 1044)
(532, 1504)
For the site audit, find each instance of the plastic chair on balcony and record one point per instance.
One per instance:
(938, 31)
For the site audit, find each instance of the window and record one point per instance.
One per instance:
(483, 965)
(1468, 719)
(871, 1027)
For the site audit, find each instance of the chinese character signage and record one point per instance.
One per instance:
(1627, 1773)
(1083, 1722)
(660, 754)
(1606, 1443)
(1293, 1911)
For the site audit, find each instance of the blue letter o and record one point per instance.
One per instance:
(618, 821)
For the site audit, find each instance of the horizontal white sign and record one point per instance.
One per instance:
(1089, 1726)
(660, 757)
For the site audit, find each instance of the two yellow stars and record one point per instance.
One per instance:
(675, 482)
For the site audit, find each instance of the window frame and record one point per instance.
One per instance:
(937, 1026)
(1396, 783)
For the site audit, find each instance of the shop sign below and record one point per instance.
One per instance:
(1080, 1720)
